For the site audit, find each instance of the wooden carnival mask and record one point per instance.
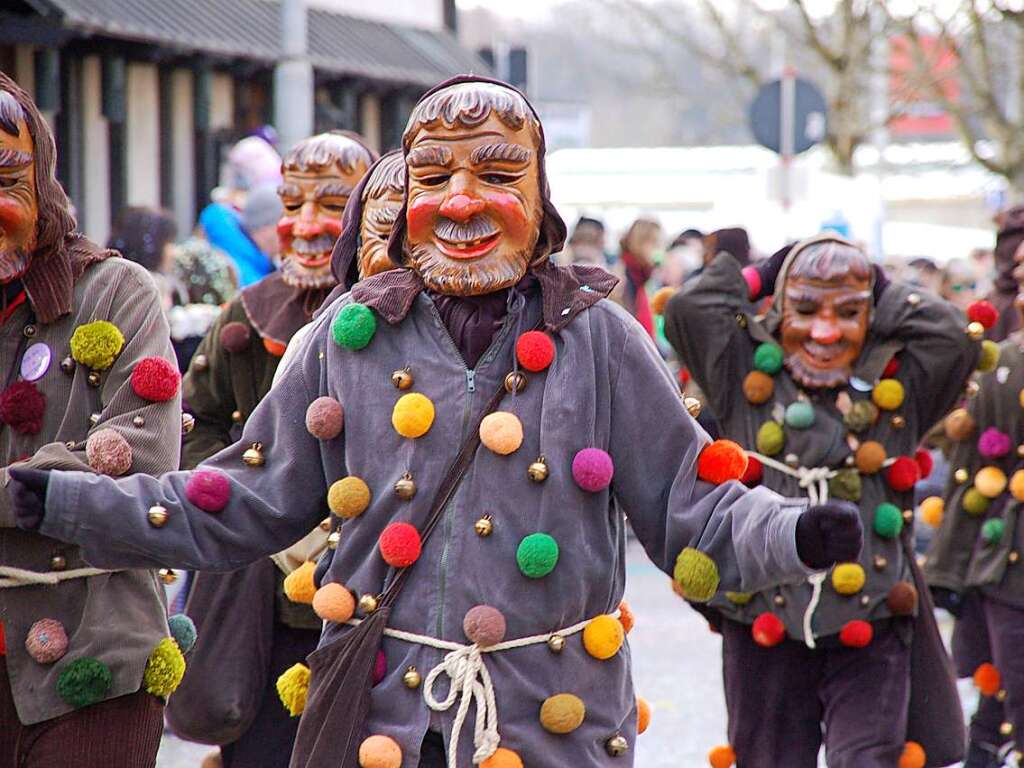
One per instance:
(382, 204)
(19, 207)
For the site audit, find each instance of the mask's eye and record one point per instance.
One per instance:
(849, 313)
(291, 205)
(805, 308)
(6, 182)
(435, 180)
(499, 178)
(334, 204)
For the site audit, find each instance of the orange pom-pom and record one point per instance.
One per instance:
(626, 616)
(721, 461)
(913, 756)
(722, 757)
(987, 679)
(643, 714)
(660, 299)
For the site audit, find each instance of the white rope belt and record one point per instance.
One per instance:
(470, 681)
(19, 577)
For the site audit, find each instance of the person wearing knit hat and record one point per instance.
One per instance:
(260, 214)
(840, 380)
(472, 418)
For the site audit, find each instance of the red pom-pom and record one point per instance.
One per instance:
(22, 406)
(903, 473)
(856, 634)
(400, 545)
(684, 377)
(208, 490)
(535, 350)
(983, 312)
(987, 679)
(925, 463)
(891, 368)
(3, 641)
(754, 473)
(235, 336)
(768, 630)
(721, 461)
(155, 379)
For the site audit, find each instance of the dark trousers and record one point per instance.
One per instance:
(118, 733)
(784, 701)
(432, 753)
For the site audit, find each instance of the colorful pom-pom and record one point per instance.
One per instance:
(503, 758)
(84, 681)
(154, 379)
(562, 713)
(298, 585)
(535, 351)
(888, 394)
(870, 457)
(933, 509)
(982, 312)
(987, 679)
(990, 481)
(913, 756)
(484, 625)
(721, 461)
(856, 634)
(758, 387)
(754, 473)
(958, 425)
(354, 326)
(974, 502)
(537, 555)
(768, 630)
(325, 418)
(46, 641)
(643, 714)
(862, 415)
(274, 348)
(164, 669)
(992, 531)
(22, 405)
(902, 599)
(891, 368)
(108, 452)
(994, 443)
(348, 497)
(903, 473)
(183, 630)
(888, 521)
(925, 463)
(770, 438)
(334, 602)
(603, 637)
(292, 688)
(846, 484)
(696, 574)
(739, 598)
(799, 415)
(848, 578)
(413, 415)
(379, 751)
(660, 299)
(768, 358)
(400, 545)
(1017, 485)
(755, 284)
(380, 667)
(626, 617)
(722, 756)
(235, 337)
(501, 432)
(208, 490)
(592, 469)
(97, 344)
(988, 359)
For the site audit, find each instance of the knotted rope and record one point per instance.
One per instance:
(11, 577)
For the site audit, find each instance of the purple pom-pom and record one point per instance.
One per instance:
(484, 625)
(592, 469)
(994, 444)
(208, 490)
(325, 418)
(380, 667)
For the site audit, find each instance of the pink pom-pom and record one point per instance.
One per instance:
(994, 444)
(208, 490)
(155, 379)
(108, 452)
(235, 337)
(400, 545)
(592, 469)
(484, 625)
(46, 641)
(325, 418)
(754, 284)
(380, 667)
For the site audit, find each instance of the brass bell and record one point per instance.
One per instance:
(368, 603)
(94, 378)
(515, 382)
(253, 455)
(538, 471)
(1013, 557)
(913, 299)
(880, 562)
(405, 487)
(188, 423)
(1006, 728)
(157, 516)
(200, 362)
(237, 417)
(741, 320)
(972, 388)
(780, 601)
(617, 745)
(412, 678)
(139, 420)
(167, 576)
(908, 516)
(71, 445)
(1020, 451)
(792, 460)
(850, 461)
(898, 422)
(961, 476)
(865, 600)
(333, 539)
(1001, 694)
(693, 406)
(94, 419)
(484, 526)
(402, 379)
(556, 643)
(58, 562)
(975, 330)
(68, 365)
(29, 331)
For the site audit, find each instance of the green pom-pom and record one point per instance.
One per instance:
(992, 531)
(697, 574)
(84, 681)
(989, 357)
(739, 598)
(537, 555)
(164, 669)
(888, 520)
(862, 415)
(97, 344)
(183, 630)
(768, 358)
(770, 438)
(354, 326)
(845, 485)
(800, 415)
(292, 687)
(975, 502)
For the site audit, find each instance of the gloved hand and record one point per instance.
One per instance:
(27, 490)
(761, 276)
(950, 600)
(829, 533)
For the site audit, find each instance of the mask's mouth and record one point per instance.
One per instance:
(314, 253)
(824, 355)
(466, 240)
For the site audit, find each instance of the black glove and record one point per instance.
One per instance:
(881, 283)
(948, 599)
(828, 534)
(27, 490)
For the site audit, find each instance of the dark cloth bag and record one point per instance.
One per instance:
(227, 670)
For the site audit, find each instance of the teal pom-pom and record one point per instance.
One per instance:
(888, 520)
(992, 530)
(768, 358)
(800, 415)
(537, 555)
(354, 326)
(183, 630)
(84, 681)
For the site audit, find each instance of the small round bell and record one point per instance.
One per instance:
(880, 562)
(58, 562)
(94, 419)
(139, 420)
(850, 461)
(617, 745)
(913, 299)
(333, 539)
(898, 422)
(779, 601)
(792, 460)
(961, 476)
(368, 603)
(556, 643)
(908, 516)
(741, 320)
(188, 423)
(71, 445)
(68, 365)
(167, 576)
(200, 362)
(865, 600)
(402, 379)
(515, 382)
(1006, 728)
(1020, 451)
(94, 378)
(975, 330)
(538, 471)
(412, 678)
(405, 487)
(29, 331)
(693, 406)
(1013, 557)
(253, 456)
(237, 417)
(484, 526)
(1001, 694)
(157, 516)
(972, 388)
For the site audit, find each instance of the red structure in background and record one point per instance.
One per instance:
(911, 90)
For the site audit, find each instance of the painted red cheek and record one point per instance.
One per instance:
(421, 215)
(284, 226)
(333, 227)
(509, 208)
(14, 217)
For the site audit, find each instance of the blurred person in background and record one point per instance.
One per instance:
(733, 240)
(586, 244)
(685, 257)
(146, 236)
(638, 249)
(924, 272)
(260, 215)
(959, 284)
(983, 260)
(1009, 237)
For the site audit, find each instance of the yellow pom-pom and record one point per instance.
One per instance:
(164, 668)
(1017, 485)
(97, 344)
(292, 687)
(989, 357)
(932, 511)
(298, 585)
(990, 481)
(722, 757)
(413, 415)
(501, 432)
(603, 637)
(888, 394)
(660, 299)
(348, 497)
(380, 752)
(562, 713)
(334, 602)
(848, 578)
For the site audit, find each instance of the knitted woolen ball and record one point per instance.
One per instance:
(275, 348)
(925, 463)
(891, 368)
(154, 379)
(379, 751)
(484, 625)
(992, 530)
(903, 473)
(768, 630)
(988, 360)
(325, 418)
(535, 351)
(974, 502)
(799, 415)
(380, 667)
(987, 679)
(754, 472)
(108, 452)
(862, 415)
(739, 598)
(758, 387)
(770, 438)
(696, 574)
(721, 461)
(593, 469)
(848, 578)
(913, 756)
(1017, 485)
(348, 497)
(933, 509)
(856, 634)
(902, 598)
(990, 481)
(846, 485)
(562, 713)
(354, 326)
(958, 425)
(643, 714)
(503, 758)
(208, 490)
(235, 337)
(164, 668)
(413, 415)
(83, 682)
(660, 299)
(994, 444)
(400, 545)
(334, 602)
(722, 756)
(870, 456)
(183, 630)
(501, 432)
(888, 520)
(46, 641)
(768, 358)
(626, 617)
(603, 637)
(298, 585)
(95, 345)
(537, 555)
(982, 312)
(21, 407)
(292, 687)
(888, 394)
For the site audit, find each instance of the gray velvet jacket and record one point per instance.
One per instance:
(607, 388)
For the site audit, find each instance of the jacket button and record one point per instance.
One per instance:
(58, 562)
